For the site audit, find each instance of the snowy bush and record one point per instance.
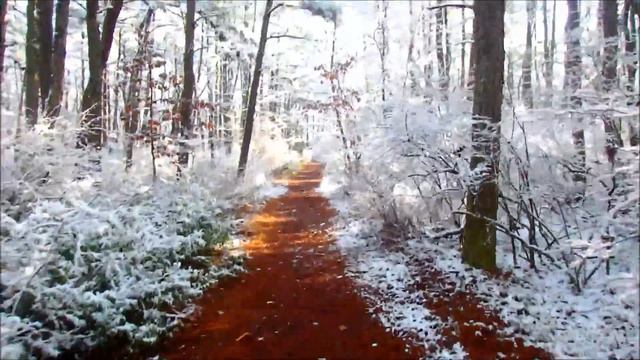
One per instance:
(92, 256)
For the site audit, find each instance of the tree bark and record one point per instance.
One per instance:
(227, 100)
(98, 49)
(3, 32)
(440, 49)
(572, 83)
(187, 91)
(44, 11)
(629, 12)
(58, 59)
(31, 76)
(255, 83)
(609, 23)
(132, 105)
(549, 49)
(527, 91)
(479, 235)
(463, 46)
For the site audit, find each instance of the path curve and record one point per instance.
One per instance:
(294, 301)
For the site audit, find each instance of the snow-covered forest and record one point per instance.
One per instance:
(189, 179)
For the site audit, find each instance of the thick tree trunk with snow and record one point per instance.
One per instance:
(572, 83)
(479, 236)
(187, 91)
(527, 91)
(31, 76)
(253, 94)
(58, 59)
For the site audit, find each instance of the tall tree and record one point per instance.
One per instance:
(527, 91)
(629, 12)
(98, 50)
(383, 45)
(572, 83)
(186, 98)
(31, 78)
(549, 49)
(253, 94)
(227, 85)
(3, 32)
(44, 10)
(132, 105)
(443, 74)
(58, 58)
(479, 236)
(609, 21)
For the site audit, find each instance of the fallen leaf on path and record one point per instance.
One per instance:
(242, 336)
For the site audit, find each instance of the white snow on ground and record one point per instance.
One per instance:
(384, 275)
(600, 322)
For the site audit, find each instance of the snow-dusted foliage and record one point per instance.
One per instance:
(89, 256)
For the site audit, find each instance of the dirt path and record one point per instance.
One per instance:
(294, 301)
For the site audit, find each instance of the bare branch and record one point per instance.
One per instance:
(278, 36)
(462, 6)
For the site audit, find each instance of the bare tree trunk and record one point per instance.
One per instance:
(44, 10)
(548, 52)
(527, 92)
(187, 91)
(572, 83)
(255, 83)
(227, 99)
(31, 78)
(58, 59)
(132, 105)
(3, 32)
(334, 93)
(609, 22)
(479, 236)
(463, 46)
(440, 53)
(99, 48)
(629, 12)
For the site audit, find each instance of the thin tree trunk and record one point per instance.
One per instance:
(44, 9)
(572, 83)
(463, 46)
(479, 236)
(58, 59)
(187, 91)
(334, 93)
(440, 53)
(255, 83)
(3, 32)
(31, 79)
(227, 99)
(527, 91)
(548, 80)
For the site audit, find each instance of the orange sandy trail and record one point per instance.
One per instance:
(294, 301)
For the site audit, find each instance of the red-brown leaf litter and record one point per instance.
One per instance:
(295, 301)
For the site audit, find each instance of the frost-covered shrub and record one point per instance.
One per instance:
(89, 256)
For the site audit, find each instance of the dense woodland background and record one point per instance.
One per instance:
(132, 129)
